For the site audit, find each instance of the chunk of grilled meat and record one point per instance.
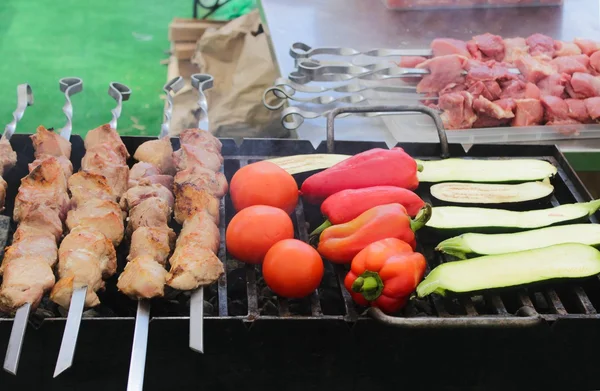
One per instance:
(135, 195)
(86, 258)
(201, 139)
(25, 280)
(151, 212)
(35, 243)
(191, 199)
(143, 278)
(8, 157)
(189, 156)
(103, 160)
(3, 186)
(104, 134)
(213, 182)
(158, 153)
(142, 173)
(192, 266)
(156, 242)
(86, 185)
(45, 185)
(202, 230)
(103, 215)
(48, 142)
(42, 219)
(65, 164)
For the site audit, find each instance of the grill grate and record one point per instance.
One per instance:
(242, 294)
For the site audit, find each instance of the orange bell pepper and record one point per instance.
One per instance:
(340, 243)
(384, 274)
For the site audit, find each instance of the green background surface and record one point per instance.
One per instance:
(99, 41)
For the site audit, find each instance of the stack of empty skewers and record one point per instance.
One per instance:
(488, 81)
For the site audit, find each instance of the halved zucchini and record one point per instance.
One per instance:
(455, 220)
(485, 171)
(490, 195)
(297, 164)
(569, 260)
(481, 244)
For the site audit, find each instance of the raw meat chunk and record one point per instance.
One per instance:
(411, 61)
(533, 69)
(513, 89)
(587, 46)
(514, 48)
(528, 112)
(443, 70)
(577, 110)
(555, 109)
(447, 46)
(458, 110)
(593, 107)
(595, 61)
(540, 44)
(492, 46)
(562, 48)
(489, 89)
(554, 84)
(584, 85)
(483, 106)
(571, 64)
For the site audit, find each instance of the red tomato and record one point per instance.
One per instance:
(254, 230)
(292, 268)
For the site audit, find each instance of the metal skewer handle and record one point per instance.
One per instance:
(173, 85)
(301, 50)
(282, 95)
(120, 93)
(70, 86)
(24, 99)
(200, 82)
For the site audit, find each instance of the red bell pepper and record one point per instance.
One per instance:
(384, 274)
(340, 243)
(375, 167)
(348, 204)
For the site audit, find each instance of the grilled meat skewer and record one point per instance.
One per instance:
(87, 254)
(40, 209)
(150, 206)
(198, 187)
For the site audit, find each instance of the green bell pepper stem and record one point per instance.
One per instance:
(321, 228)
(422, 218)
(369, 284)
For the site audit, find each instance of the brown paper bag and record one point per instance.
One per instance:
(238, 57)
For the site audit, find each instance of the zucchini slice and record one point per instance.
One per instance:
(482, 244)
(487, 194)
(484, 170)
(568, 260)
(297, 164)
(455, 220)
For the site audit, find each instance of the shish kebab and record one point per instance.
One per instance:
(149, 200)
(40, 209)
(87, 256)
(8, 157)
(193, 263)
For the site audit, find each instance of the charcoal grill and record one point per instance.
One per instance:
(256, 341)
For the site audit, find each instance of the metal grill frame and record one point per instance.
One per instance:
(567, 184)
